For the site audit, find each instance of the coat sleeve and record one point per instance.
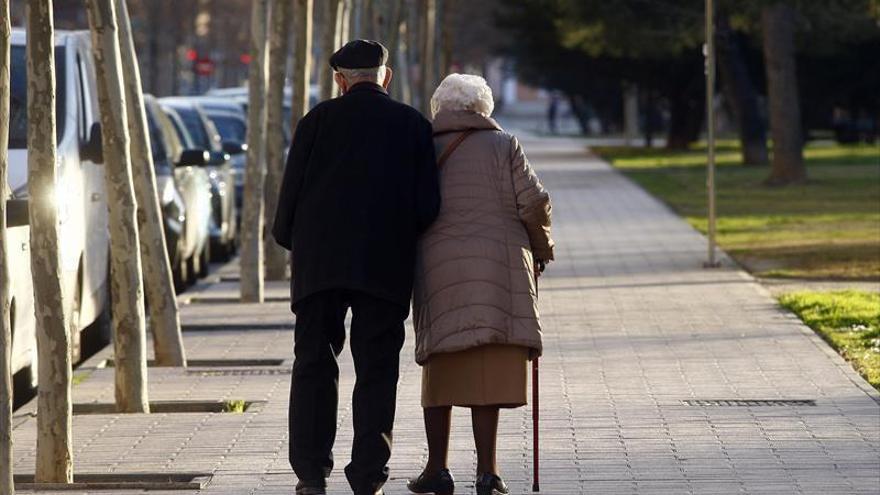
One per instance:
(532, 203)
(427, 179)
(294, 173)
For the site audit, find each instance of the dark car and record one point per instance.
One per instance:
(204, 134)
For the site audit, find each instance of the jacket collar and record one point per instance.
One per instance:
(462, 120)
(367, 87)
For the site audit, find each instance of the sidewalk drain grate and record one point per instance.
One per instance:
(119, 481)
(747, 402)
(215, 363)
(241, 372)
(172, 406)
(236, 327)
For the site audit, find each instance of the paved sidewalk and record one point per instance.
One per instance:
(638, 338)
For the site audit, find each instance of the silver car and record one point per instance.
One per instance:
(191, 178)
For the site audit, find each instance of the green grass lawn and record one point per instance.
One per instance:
(827, 228)
(849, 321)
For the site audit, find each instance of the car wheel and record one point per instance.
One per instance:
(205, 260)
(192, 265)
(73, 323)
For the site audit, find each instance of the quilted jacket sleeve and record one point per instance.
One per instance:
(532, 203)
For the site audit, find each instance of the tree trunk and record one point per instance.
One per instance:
(427, 31)
(343, 25)
(54, 436)
(164, 313)
(252, 218)
(279, 45)
(6, 484)
(739, 92)
(413, 55)
(127, 289)
(778, 24)
(392, 35)
(302, 60)
(685, 118)
(364, 19)
(448, 22)
(328, 46)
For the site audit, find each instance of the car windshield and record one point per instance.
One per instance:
(18, 96)
(157, 146)
(230, 128)
(193, 122)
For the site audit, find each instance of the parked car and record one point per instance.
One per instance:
(170, 199)
(231, 122)
(194, 184)
(220, 171)
(79, 196)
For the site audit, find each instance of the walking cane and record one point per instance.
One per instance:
(536, 459)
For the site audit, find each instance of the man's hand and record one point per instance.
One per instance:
(540, 265)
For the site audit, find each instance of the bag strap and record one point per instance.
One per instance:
(452, 146)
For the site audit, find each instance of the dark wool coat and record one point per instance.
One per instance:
(360, 185)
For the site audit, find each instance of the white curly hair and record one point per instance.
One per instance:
(463, 92)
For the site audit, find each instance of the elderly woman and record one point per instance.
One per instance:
(474, 301)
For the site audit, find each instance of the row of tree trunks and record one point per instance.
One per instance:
(6, 484)
(279, 45)
(778, 25)
(252, 218)
(54, 463)
(164, 312)
(740, 94)
(129, 331)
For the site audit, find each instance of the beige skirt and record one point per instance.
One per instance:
(488, 375)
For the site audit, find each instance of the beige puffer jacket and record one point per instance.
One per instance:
(474, 281)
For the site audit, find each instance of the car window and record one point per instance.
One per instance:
(81, 93)
(18, 96)
(195, 126)
(182, 134)
(157, 146)
(230, 128)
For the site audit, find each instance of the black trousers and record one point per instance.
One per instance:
(377, 336)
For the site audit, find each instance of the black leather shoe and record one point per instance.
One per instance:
(439, 483)
(311, 488)
(490, 484)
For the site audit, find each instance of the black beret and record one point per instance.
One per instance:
(359, 54)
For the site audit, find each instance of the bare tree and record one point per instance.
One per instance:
(164, 313)
(279, 45)
(427, 53)
(6, 484)
(778, 25)
(302, 60)
(54, 409)
(129, 340)
(328, 45)
(252, 220)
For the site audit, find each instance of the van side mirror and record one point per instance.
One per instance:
(93, 149)
(17, 213)
(234, 147)
(193, 158)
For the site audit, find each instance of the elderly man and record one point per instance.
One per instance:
(361, 184)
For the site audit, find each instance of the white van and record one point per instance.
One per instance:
(79, 195)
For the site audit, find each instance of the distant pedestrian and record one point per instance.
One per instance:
(553, 112)
(360, 186)
(474, 302)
